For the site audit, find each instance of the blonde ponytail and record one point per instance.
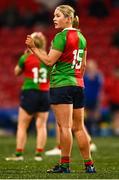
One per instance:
(75, 22)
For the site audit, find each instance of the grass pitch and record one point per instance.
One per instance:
(106, 161)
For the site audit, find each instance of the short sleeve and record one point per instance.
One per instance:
(58, 42)
(22, 60)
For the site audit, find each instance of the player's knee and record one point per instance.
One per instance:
(65, 129)
(76, 128)
(40, 125)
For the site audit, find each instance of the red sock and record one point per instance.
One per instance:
(39, 150)
(88, 163)
(65, 159)
(58, 146)
(19, 150)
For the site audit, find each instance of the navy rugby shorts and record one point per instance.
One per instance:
(68, 95)
(34, 101)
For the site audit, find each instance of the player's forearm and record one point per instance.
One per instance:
(42, 56)
(83, 67)
(17, 71)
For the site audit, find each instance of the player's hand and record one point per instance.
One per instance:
(30, 42)
(43, 38)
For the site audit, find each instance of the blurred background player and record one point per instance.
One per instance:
(93, 80)
(34, 100)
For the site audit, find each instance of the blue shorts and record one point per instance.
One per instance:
(34, 101)
(68, 95)
(91, 105)
(114, 107)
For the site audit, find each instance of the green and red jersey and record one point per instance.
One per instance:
(36, 73)
(66, 71)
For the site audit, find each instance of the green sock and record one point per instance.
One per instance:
(87, 160)
(38, 154)
(19, 154)
(65, 165)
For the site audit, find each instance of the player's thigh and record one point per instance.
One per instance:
(63, 114)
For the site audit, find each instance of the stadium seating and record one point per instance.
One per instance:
(12, 44)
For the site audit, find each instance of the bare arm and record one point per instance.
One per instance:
(17, 70)
(48, 59)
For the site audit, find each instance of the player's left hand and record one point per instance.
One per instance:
(30, 42)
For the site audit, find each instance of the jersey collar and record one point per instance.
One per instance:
(69, 29)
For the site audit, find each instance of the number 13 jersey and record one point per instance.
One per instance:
(36, 73)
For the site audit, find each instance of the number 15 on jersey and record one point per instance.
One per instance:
(77, 58)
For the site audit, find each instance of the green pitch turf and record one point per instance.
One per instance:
(106, 161)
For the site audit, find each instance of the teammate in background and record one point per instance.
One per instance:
(68, 53)
(34, 100)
